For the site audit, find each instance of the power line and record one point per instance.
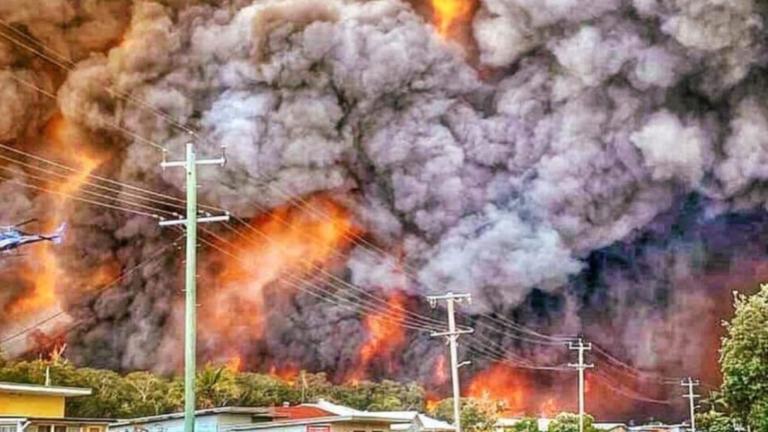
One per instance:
(113, 283)
(135, 188)
(66, 64)
(99, 195)
(113, 125)
(76, 198)
(70, 65)
(334, 299)
(87, 182)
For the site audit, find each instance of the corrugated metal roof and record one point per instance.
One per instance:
(260, 412)
(301, 412)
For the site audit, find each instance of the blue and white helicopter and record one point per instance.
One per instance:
(12, 238)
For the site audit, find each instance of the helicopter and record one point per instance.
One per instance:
(12, 237)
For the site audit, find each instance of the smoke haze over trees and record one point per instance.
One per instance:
(598, 169)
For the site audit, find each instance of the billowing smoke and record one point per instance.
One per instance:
(555, 187)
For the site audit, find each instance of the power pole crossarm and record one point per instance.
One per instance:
(690, 384)
(190, 281)
(580, 347)
(452, 335)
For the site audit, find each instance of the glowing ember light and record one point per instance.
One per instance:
(281, 248)
(287, 372)
(385, 334)
(548, 409)
(500, 383)
(441, 374)
(68, 143)
(448, 12)
(234, 364)
(432, 400)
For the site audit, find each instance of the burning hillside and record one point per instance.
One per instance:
(580, 167)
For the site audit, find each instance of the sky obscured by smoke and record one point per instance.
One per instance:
(556, 189)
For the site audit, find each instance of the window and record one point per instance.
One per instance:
(7, 428)
(59, 429)
(94, 429)
(44, 428)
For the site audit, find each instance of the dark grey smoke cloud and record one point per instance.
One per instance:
(601, 116)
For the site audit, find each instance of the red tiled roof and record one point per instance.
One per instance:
(300, 412)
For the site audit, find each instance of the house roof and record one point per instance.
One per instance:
(36, 389)
(298, 412)
(313, 421)
(62, 420)
(256, 412)
(428, 423)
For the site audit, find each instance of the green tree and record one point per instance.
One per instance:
(216, 386)
(744, 360)
(568, 422)
(714, 421)
(526, 425)
(265, 390)
(477, 415)
(151, 395)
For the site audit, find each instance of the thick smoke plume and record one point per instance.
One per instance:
(555, 187)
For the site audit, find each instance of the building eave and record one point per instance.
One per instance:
(254, 412)
(318, 420)
(36, 389)
(61, 420)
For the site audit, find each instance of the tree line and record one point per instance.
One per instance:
(740, 402)
(144, 394)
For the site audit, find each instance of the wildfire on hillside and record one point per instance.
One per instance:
(68, 144)
(284, 248)
(385, 335)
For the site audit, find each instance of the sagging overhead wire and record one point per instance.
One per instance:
(500, 324)
(381, 305)
(61, 61)
(101, 196)
(298, 283)
(137, 190)
(115, 282)
(343, 283)
(112, 125)
(77, 198)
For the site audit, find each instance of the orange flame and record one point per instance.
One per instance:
(548, 408)
(447, 13)
(234, 364)
(441, 375)
(432, 400)
(287, 372)
(500, 383)
(385, 334)
(68, 142)
(287, 245)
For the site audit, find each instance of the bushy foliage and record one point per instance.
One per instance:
(744, 360)
(143, 393)
(477, 415)
(714, 421)
(525, 425)
(568, 422)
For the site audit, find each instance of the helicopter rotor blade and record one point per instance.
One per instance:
(26, 222)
